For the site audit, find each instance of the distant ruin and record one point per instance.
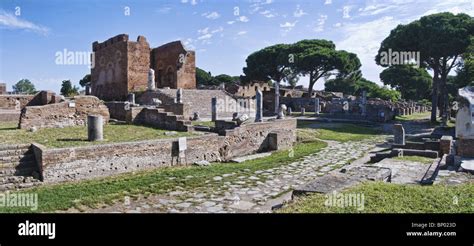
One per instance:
(122, 66)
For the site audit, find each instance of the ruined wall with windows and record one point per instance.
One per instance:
(120, 66)
(175, 67)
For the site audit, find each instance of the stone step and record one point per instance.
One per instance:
(26, 171)
(19, 164)
(16, 158)
(27, 183)
(14, 147)
(13, 152)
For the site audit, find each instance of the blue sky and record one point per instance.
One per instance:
(223, 33)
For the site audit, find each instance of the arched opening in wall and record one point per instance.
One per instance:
(159, 76)
(256, 88)
(169, 77)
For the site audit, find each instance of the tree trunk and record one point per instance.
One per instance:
(311, 84)
(444, 95)
(434, 97)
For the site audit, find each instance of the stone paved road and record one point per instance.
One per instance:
(248, 192)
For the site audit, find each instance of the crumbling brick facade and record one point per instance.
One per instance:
(174, 66)
(120, 66)
(3, 88)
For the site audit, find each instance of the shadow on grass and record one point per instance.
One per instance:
(72, 140)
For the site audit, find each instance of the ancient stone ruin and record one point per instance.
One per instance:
(122, 66)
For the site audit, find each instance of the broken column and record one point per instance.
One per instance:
(259, 107)
(131, 98)
(151, 79)
(398, 134)
(214, 108)
(281, 112)
(179, 95)
(95, 126)
(317, 109)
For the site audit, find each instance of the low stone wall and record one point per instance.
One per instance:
(63, 114)
(67, 164)
(9, 115)
(9, 101)
(198, 101)
(465, 147)
(157, 117)
(117, 110)
(251, 138)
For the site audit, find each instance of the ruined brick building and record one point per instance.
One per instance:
(121, 66)
(3, 88)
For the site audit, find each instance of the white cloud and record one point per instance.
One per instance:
(346, 10)
(204, 30)
(11, 21)
(230, 22)
(337, 25)
(288, 25)
(242, 33)
(213, 15)
(205, 36)
(328, 2)
(299, 12)
(320, 23)
(364, 39)
(243, 18)
(268, 14)
(192, 2)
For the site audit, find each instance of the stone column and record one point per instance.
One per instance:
(214, 108)
(259, 106)
(95, 126)
(131, 98)
(398, 134)
(303, 111)
(277, 97)
(317, 109)
(179, 95)
(151, 79)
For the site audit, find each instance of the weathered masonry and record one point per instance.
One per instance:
(121, 67)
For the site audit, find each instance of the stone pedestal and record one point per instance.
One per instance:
(398, 134)
(95, 131)
(317, 108)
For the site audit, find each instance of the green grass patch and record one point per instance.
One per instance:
(420, 159)
(416, 116)
(392, 198)
(77, 136)
(336, 132)
(106, 190)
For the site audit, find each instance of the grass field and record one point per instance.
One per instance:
(77, 136)
(420, 159)
(392, 198)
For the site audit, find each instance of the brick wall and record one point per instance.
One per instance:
(67, 164)
(120, 66)
(63, 114)
(174, 66)
(3, 88)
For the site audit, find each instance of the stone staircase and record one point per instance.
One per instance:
(161, 118)
(18, 167)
